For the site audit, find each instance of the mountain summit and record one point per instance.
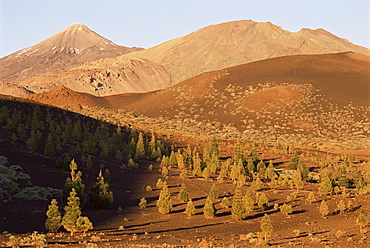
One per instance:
(70, 47)
(75, 39)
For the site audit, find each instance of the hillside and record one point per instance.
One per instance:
(300, 98)
(70, 47)
(238, 42)
(96, 78)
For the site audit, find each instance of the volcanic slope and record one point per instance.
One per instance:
(285, 99)
(239, 42)
(70, 47)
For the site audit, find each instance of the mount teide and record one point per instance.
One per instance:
(70, 47)
(238, 42)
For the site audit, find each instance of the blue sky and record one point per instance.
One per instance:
(145, 23)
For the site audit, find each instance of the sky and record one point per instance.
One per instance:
(146, 23)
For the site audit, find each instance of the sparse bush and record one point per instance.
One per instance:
(286, 209)
(143, 203)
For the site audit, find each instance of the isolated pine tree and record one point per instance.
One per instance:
(53, 222)
(225, 203)
(266, 226)
(164, 202)
(324, 208)
(100, 196)
(341, 206)
(361, 221)
(238, 210)
(190, 209)
(209, 209)
(75, 182)
(311, 197)
(263, 201)
(72, 212)
(183, 194)
(213, 192)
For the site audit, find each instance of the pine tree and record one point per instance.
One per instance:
(238, 210)
(326, 185)
(49, 147)
(197, 170)
(206, 173)
(53, 222)
(31, 142)
(263, 201)
(256, 184)
(159, 183)
(107, 176)
(140, 148)
(165, 171)
(164, 202)
(248, 201)
(270, 172)
(361, 221)
(75, 181)
(324, 208)
(190, 209)
(119, 155)
(209, 208)
(266, 226)
(183, 194)
(213, 193)
(225, 202)
(261, 168)
(72, 212)
(100, 196)
(359, 180)
(311, 197)
(341, 206)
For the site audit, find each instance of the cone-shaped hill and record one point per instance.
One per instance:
(72, 46)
